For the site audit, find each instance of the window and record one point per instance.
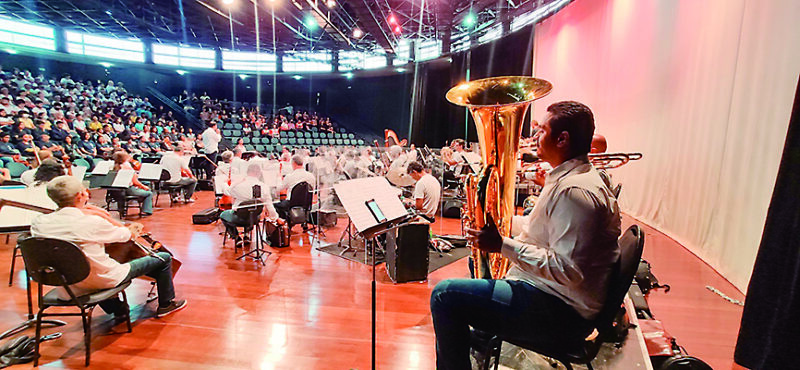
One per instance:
(427, 50)
(493, 33)
(27, 34)
(403, 52)
(350, 60)
(248, 61)
(461, 43)
(183, 56)
(105, 47)
(307, 62)
(377, 59)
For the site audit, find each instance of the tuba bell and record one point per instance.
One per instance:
(498, 105)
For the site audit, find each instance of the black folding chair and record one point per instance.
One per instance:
(300, 206)
(60, 263)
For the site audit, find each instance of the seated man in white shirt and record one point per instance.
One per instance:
(427, 191)
(560, 264)
(225, 168)
(90, 228)
(179, 172)
(245, 190)
(298, 175)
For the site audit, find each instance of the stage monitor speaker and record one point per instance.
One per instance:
(407, 253)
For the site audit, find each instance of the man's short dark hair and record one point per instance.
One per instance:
(577, 120)
(415, 167)
(460, 142)
(212, 123)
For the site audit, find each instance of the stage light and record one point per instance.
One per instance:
(392, 19)
(10, 51)
(310, 22)
(397, 29)
(400, 70)
(349, 75)
(297, 77)
(331, 3)
(357, 33)
(243, 76)
(105, 64)
(227, 2)
(181, 72)
(470, 20)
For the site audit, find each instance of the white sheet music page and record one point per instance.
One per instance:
(150, 171)
(103, 167)
(79, 172)
(13, 216)
(123, 179)
(355, 193)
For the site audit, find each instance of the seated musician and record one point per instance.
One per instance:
(298, 175)
(122, 161)
(179, 172)
(560, 264)
(242, 191)
(225, 168)
(427, 191)
(457, 160)
(90, 228)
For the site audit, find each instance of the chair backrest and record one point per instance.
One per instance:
(250, 210)
(301, 196)
(53, 261)
(631, 245)
(16, 169)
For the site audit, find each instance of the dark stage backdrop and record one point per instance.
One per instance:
(437, 121)
(770, 321)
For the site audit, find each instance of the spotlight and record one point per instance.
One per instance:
(400, 70)
(357, 33)
(105, 64)
(349, 75)
(310, 22)
(243, 76)
(181, 72)
(397, 29)
(227, 2)
(392, 19)
(297, 77)
(331, 3)
(10, 51)
(470, 20)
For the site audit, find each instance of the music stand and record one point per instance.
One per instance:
(374, 209)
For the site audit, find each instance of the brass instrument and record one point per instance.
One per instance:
(498, 106)
(604, 161)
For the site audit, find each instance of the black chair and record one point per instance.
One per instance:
(299, 206)
(60, 263)
(580, 350)
(164, 187)
(123, 201)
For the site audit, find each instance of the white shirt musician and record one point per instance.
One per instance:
(427, 190)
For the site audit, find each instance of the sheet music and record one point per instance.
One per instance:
(150, 171)
(102, 168)
(79, 172)
(18, 217)
(124, 179)
(272, 177)
(355, 193)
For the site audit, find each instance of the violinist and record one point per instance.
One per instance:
(242, 191)
(123, 161)
(90, 228)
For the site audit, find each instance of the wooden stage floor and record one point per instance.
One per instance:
(307, 309)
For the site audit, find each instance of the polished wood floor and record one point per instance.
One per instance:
(310, 310)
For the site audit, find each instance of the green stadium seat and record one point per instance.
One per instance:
(16, 169)
(360, 142)
(301, 141)
(250, 147)
(246, 140)
(290, 134)
(260, 148)
(317, 141)
(268, 148)
(292, 141)
(351, 135)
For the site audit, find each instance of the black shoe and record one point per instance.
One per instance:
(175, 306)
(247, 239)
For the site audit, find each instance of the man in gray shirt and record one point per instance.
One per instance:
(560, 263)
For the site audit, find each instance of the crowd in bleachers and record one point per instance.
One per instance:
(81, 121)
(254, 128)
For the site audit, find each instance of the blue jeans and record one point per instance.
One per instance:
(147, 204)
(508, 308)
(153, 267)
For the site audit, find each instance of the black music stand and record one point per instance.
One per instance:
(374, 208)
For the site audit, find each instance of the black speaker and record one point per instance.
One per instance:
(407, 253)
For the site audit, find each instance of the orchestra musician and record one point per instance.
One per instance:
(560, 263)
(226, 168)
(427, 191)
(179, 172)
(298, 175)
(90, 228)
(211, 138)
(242, 191)
(122, 161)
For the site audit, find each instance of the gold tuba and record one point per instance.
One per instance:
(498, 106)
